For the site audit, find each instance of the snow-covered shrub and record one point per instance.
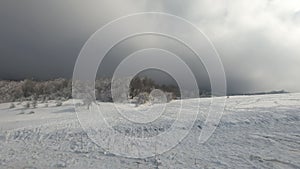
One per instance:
(12, 105)
(34, 104)
(170, 96)
(85, 91)
(26, 105)
(31, 112)
(157, 96)
(58, 103)
(142, 98)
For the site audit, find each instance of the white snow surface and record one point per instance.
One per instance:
(260, 131)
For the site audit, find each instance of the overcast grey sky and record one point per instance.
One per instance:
(258, 40)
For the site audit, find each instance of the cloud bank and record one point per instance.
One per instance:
(258, 40)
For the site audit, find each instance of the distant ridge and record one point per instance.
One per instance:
(260, 93)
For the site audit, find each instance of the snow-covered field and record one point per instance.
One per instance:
(254, 132)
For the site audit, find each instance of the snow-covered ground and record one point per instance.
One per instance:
(254, 132)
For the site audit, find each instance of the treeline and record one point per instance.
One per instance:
(61, 89)
(28, 89)
(146, 85)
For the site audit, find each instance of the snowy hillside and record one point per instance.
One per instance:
(254, 132)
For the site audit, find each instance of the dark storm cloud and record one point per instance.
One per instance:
(258, 40)
(42, 39)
